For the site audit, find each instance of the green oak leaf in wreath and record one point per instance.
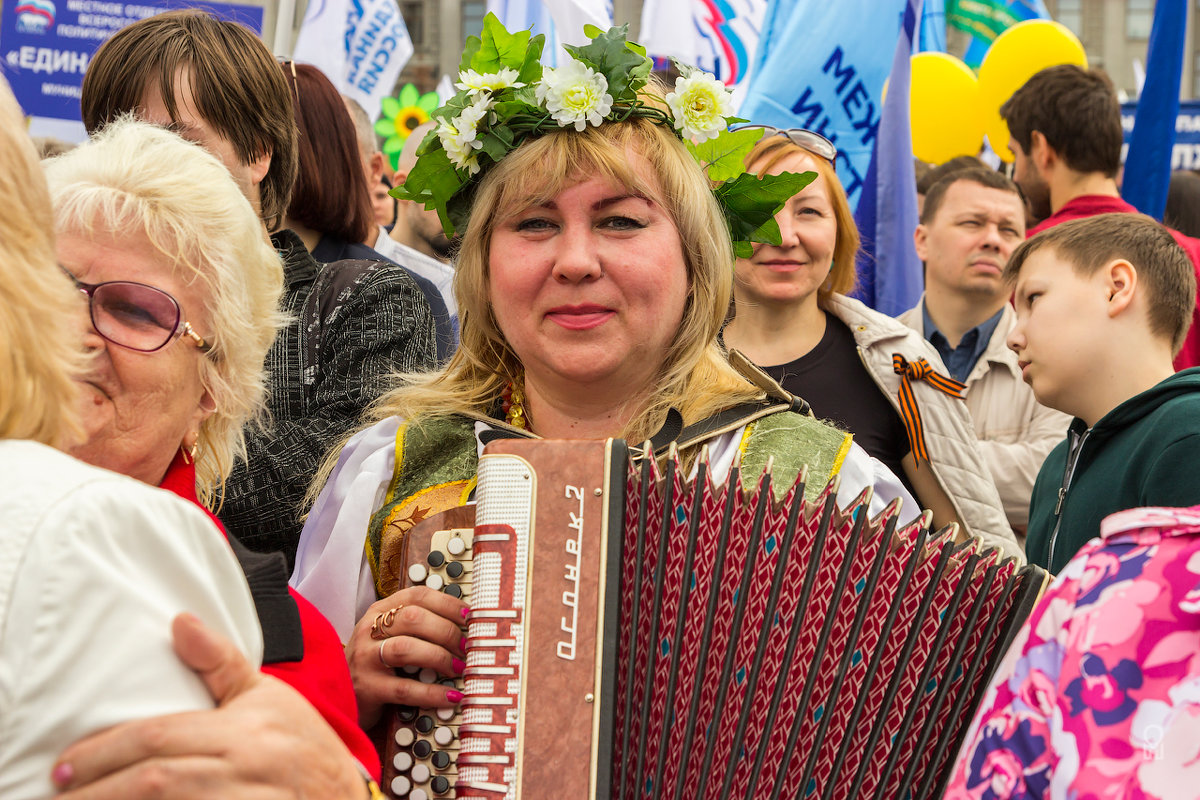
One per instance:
(401, 115)
(750, 220)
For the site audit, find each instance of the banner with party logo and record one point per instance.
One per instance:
(47, 44)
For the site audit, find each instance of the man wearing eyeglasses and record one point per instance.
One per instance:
(971, 222)
(216, 84)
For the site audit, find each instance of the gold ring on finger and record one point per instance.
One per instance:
(377, 627)
(390, 616)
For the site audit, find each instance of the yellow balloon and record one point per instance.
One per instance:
(944, 108)
(1016, 56)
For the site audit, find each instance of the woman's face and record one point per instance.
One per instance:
(139, 408)
(793, 271)
(589, 289)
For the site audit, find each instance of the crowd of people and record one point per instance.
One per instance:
(236, 370)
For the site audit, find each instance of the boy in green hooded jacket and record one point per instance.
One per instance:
(1103, 305)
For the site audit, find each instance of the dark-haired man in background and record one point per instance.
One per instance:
(1065, 124)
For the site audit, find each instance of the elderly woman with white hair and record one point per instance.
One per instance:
(94, 566)
(183, 288)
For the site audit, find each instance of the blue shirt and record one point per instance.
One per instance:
(962, 359)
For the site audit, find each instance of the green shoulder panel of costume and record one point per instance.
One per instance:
(792, 441)
(436, 463)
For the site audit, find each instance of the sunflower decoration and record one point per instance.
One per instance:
(401, 116)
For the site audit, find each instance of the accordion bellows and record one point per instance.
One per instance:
(636, 634)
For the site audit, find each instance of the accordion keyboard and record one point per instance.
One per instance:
(424, 758)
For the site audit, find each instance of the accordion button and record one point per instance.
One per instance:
(443, 736)
(456, 546)
(401, 786)
(453, 589)
(417, 573)
(435, 582)
(427, 675)
(454, 569)
(420, 773)
(422, 749)
(440, 785)
(425, 724)
(436, 558)
(419, 794)
(402, 762)
(405, 737)
(445, 714)
(441, 760)
(407, 713)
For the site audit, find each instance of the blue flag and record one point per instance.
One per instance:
(890, 276)
(822, 66)
(1148, 164)
(933, 27)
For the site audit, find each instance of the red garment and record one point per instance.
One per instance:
(1093, 204)
(323, 676)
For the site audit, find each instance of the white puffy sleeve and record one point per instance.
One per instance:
(331, 570)
(860, 470)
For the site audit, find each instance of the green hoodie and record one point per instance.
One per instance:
(1145, 452)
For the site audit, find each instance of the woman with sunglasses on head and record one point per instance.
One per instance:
(183, 287)
(791, 316)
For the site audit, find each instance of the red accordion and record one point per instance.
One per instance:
(639, 634)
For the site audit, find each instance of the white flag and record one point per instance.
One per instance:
(721, 37)
(360, 45)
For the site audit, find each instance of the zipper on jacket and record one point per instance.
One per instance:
(962, 520)
(1077, 440)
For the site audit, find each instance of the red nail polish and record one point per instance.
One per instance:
(454, 696)
(466, 613)
(62, 774)
(458, 665)
(462, 644)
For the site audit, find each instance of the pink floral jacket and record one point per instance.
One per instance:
(1099, 695)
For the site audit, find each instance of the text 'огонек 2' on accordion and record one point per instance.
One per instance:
(639, 634)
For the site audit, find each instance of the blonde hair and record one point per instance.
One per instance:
(695, 378)
(769, 152)
(39, 360)
(135, 176)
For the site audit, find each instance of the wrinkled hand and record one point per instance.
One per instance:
(263, 741)
(425, 631)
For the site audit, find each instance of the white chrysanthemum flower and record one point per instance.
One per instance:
(460, 137)
(700, 104)
(474, 83)
(575, 94)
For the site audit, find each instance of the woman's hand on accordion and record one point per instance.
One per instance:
(416, 628)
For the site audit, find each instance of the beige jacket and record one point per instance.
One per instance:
(1015, 431)
(958, 464)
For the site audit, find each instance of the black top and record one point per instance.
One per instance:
(834, 381)
(377, 327)
(330, 249)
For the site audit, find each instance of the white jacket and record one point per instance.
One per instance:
(1015, 431)
(958, 465)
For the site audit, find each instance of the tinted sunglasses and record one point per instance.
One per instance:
(811, 141)
(136, 316)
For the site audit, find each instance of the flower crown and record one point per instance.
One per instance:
(506, 97)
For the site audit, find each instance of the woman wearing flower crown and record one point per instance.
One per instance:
(861, 369)
(594, 273)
